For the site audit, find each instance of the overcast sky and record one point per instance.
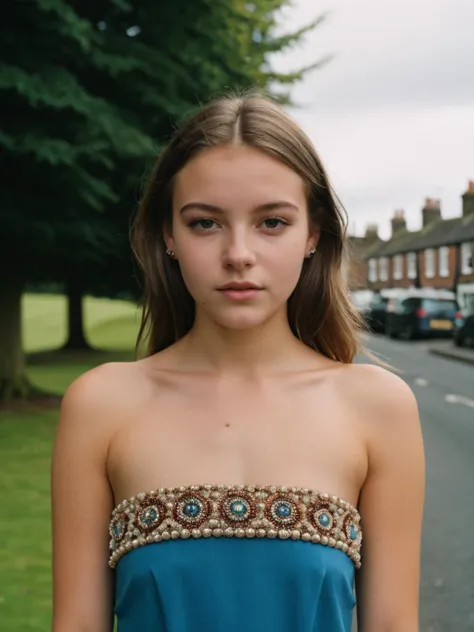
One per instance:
(392, 115)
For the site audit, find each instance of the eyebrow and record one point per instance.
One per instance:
(268, 206)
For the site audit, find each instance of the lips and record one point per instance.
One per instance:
(240, 291)
(239, 287)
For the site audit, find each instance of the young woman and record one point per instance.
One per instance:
(235, 470)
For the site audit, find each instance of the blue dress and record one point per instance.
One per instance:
(215, 558)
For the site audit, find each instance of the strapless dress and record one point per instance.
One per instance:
(248, 558)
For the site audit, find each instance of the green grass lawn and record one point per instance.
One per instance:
(25, 450)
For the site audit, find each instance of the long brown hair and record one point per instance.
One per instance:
(320, 312)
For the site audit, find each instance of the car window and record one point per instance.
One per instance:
(411, 303)
(379, 302)
(432, 304)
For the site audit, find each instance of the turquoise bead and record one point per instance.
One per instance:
(191, 510)
(283, 511)
(117, 529)
(238, 508)
(324, 520)
(149, 516)
(353, 533)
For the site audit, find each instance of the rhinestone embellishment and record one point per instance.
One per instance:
(148, 516)
(281, 510)
(242, 511)
(237, 508)
(117, 529)
(324, 520)
(192, 510)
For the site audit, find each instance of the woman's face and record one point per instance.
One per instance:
(240, 234)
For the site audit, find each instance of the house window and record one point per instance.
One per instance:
(383, 269)
(429, 263)
(411, 265)
(398, 267)
(466, 258)
(372, 270)
(443, 261)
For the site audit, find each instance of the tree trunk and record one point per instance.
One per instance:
(13, 381)
(76, 337)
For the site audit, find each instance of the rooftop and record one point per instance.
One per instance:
(445, 232)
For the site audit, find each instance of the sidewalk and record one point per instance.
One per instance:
(447, 349)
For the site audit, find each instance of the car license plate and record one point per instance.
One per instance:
(441, 324)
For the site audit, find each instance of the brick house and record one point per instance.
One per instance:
(356, 261)
(439, 255)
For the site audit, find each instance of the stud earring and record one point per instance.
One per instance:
(312, 251)
(170, 253)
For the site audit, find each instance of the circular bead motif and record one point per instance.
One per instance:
(237, 508)
(320, 517)
(149, 517)
(191, 510)
(353, 532)
(117, 529)
(282, 511)
(324, 520)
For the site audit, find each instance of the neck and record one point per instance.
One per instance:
(241, 351)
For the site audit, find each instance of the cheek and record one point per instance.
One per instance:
(287, 262)
(196, 271)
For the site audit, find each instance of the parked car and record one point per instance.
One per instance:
(420, 314)
(375, 313)
(361, 301)
(464, 328)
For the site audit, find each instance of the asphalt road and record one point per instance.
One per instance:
(445, 393)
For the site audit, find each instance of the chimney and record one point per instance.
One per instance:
(398, 221)
(371, 233)
(431, 211)
(468, 200)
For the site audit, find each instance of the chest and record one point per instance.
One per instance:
(267, 435)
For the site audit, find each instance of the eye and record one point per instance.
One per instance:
(274, 222)
(202, 224)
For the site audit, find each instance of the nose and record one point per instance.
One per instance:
(238, 253)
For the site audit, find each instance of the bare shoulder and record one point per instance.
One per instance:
(93, 406)
(107, 387)
(378, 393)
(387, 587)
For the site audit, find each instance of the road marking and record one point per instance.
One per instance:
(420, 381)
(459, 399)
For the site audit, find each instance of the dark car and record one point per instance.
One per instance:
(464, 328)
(375, 315)
(421, 316)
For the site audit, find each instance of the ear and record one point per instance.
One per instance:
(168, 238)
(313, 239)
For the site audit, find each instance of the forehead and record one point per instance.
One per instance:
(237, 173)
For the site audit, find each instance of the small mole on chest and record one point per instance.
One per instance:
(227, 425)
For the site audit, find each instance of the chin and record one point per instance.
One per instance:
(240, 323)
(238, 320)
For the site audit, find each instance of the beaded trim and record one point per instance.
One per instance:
(235, 511)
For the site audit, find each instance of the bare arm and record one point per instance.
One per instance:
(81, 504)
(391, 506)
